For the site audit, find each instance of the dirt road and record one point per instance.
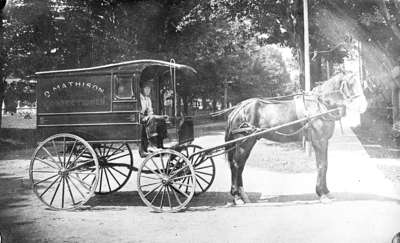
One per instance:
(284, 209)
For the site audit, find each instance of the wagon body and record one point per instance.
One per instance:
(99, 104)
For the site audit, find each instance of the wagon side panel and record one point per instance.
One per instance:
(84, 104)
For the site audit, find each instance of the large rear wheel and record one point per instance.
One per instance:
(161, 183)
(116, 163)
(64, 171)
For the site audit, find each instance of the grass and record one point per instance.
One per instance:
(288, 157)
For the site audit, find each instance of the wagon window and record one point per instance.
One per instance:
(123, 87)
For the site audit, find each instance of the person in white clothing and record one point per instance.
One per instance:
(153, 126)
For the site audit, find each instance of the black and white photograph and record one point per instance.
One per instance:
(200, 121)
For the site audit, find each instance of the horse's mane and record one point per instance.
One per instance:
(332, 84)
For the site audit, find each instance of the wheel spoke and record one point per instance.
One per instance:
(150, 184)
(70, 192)
(180, 177)
(62, 194)
(198, 183)
(108, 151)
(202, 179)
(115, 151)
(179, 191)
(89, 173)
(64, 154)
(183, 184)
(159, 176)
(155, 188)
(47, 163)
(108, 182)
(168, 196)
(158, 193)
(199, 168)
(84, 184)
(167, 169)
(162, 162)
(177, 171)
(48, 178)
(79, 155)
(55, 150)
(54, 195)
(119, 184)
(44, 171)
(176, 196)
(70, 155)
(204, 173)
(155, 164)
(152, 178)
(162, 197)
(121, 156)
(81, 164)
(49, 186)
(50, 155)
(101, 179)
(72, 182)
(118, 171)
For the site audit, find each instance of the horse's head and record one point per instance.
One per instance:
(343, 90)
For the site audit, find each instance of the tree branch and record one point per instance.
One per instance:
(386, 15)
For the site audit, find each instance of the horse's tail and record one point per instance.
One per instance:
(222, 112)
(228, 136)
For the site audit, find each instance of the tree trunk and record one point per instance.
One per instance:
(204, 102)
(395, 104)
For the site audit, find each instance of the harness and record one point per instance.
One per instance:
(301, 111)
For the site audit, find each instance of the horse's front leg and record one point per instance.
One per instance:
(321, 156)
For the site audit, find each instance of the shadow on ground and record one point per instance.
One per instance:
(223, 199)
(377, 137)
(15, 193)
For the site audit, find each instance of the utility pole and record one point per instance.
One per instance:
(307, 79)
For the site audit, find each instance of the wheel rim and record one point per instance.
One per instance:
(115, 162)
(204, 168)
(160, 181)
(64, 171)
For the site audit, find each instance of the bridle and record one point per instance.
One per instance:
(343, 91)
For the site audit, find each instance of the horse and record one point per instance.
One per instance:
(342, 91)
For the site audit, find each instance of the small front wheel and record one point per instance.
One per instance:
(204, 167)
(166, 181)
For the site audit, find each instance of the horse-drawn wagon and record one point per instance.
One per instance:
(89, 117)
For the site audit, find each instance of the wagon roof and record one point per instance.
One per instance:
(122, 66)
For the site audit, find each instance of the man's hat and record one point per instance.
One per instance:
(147, 83)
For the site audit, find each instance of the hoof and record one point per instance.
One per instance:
(330, 196)
(238, 201)
(325, 199)
(243, 196)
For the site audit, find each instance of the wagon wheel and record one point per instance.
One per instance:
(116, 162)
(160, 183)
(204, 168)
(64, 171)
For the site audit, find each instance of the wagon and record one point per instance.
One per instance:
(88, 121)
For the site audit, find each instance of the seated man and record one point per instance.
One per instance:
(153, 127)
